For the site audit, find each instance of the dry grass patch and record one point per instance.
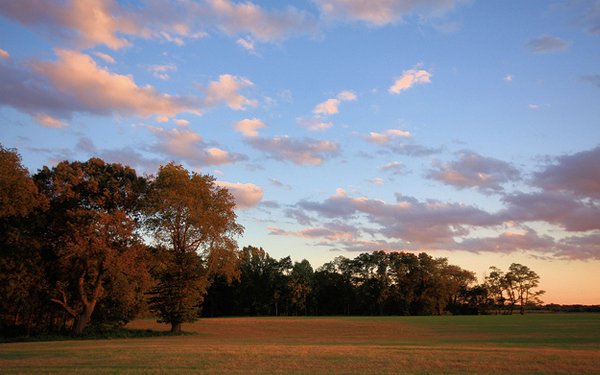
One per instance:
(318, 345)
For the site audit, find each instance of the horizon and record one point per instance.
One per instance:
(468, 130)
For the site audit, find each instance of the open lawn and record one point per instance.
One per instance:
(528, 344)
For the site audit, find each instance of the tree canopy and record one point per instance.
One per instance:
(93, 243)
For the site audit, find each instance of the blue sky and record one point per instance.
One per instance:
(466, 129)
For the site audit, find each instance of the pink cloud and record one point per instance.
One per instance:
(187, 145)
(226, 90)
(578, 173)
(249, 127)
(246, 195)
(48, 121)
(247, 17)
(382, 12)
(387, 136)
(408, 79)
(298, 151)
(95, 89)
(472, 170)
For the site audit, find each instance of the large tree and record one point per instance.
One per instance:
(21, 274)
(194, 224)
(522, 282)
(92, 247)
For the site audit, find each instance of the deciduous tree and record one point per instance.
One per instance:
(193, 220)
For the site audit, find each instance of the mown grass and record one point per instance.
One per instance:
(551, 344)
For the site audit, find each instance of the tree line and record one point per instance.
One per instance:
(93, 243)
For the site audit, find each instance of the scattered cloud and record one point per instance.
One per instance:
(277, 183)
(330, 231)
(387, 136)
(431, 223)
(331, 106)
(226, 90)
(187, 145)
(247, 44)
(106, 57)
(162, 71)
(509, 242)
(562, 209)
(98, 90)
(472, 170)
(395, 168)
(246, 195)
(249, 127)
(382, 12)
(49, 122)
(299, 151)
(410, 78)
(314, 124)
(546, 44)
(377, 181)
(577, 173)
(266, 26)
(3, 54)
(181, 122)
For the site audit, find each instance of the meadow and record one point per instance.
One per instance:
(536, 343)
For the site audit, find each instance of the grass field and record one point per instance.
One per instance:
(540, 344)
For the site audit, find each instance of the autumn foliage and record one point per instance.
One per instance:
(93, 244)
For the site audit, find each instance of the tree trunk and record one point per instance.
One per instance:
(176, 327)
(84, 318)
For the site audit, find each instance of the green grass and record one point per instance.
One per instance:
(551, 344)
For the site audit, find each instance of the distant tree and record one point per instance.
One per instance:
(522, 281)
(93, 251)
(516, 286)
(194, 223)
(300, 286)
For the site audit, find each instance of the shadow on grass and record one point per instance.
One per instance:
(103, 334)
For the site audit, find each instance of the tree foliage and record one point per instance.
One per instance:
(194, 223)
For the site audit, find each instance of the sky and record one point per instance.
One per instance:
(465, 129)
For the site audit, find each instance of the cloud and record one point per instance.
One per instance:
(246, 195)
(382, 12)
(226, 90)
(472, 170)
(87, 23)
(49, 122)
(431, 223)
(546, 44)
(187, 145)
(556, 208)
(593, 79)
(331, 106)
(579, 247)
(92, 22)
(509, 242)
(577, 173)
(249, 127)
(126, 155)
(314, 124)
(162, 71)
(106, 57)
(247, 17)
(387, 136)
(377, 181)
(247, 44)
(395, 168)
(181, 122)
(508, 78)
(299, 151)
(408, 79)
(81, 86)
(3, 54)
(330, 231)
